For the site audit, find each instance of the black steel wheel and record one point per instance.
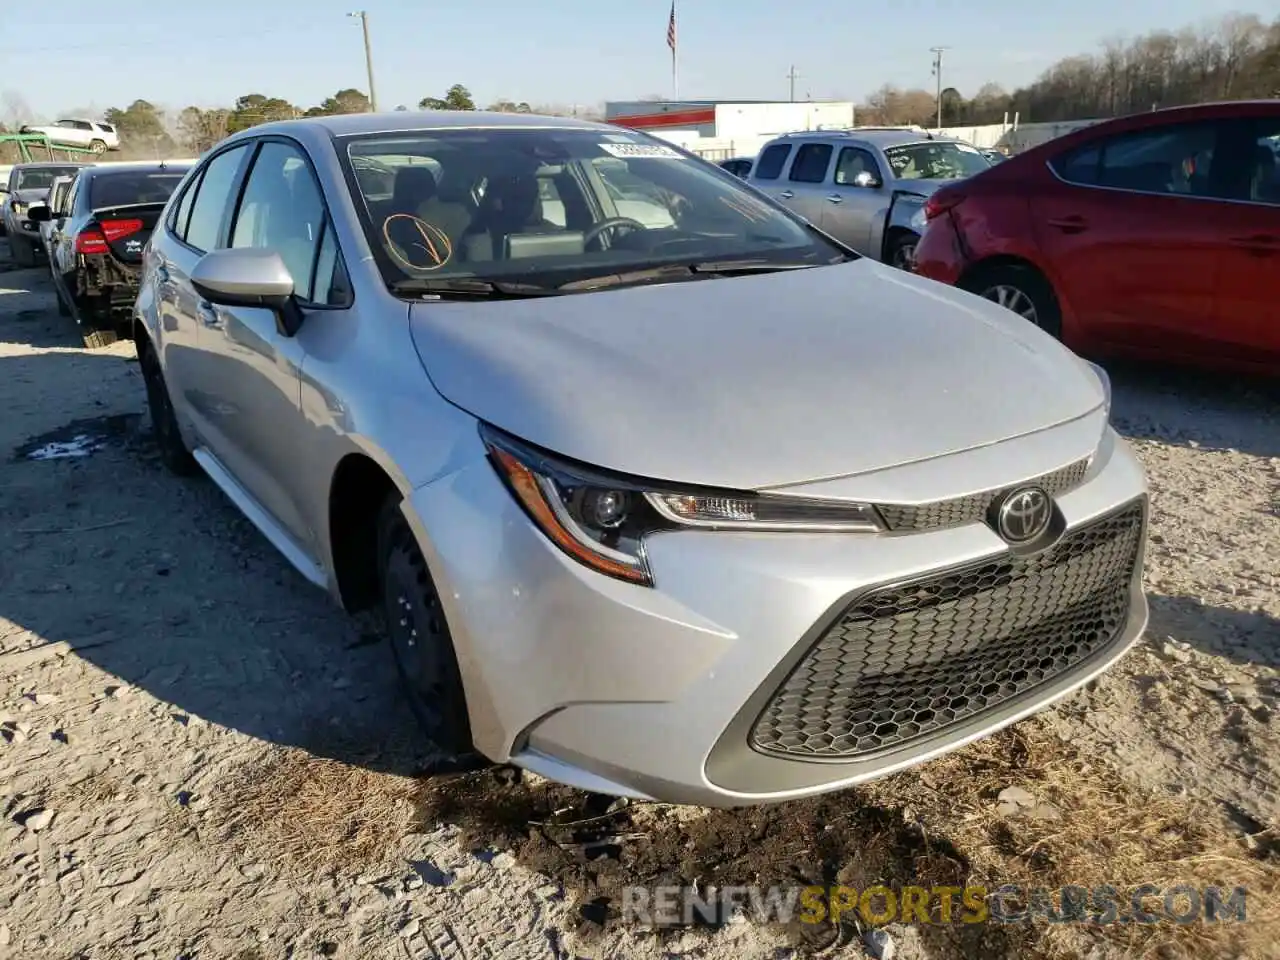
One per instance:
(418, 633)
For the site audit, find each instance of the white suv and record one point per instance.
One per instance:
(95, 134)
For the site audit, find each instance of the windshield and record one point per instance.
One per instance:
(550, 206)
(41, 178)
(935, 160)
(121, 189)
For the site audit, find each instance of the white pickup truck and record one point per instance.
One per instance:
(75, 132)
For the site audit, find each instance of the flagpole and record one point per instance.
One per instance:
(675, 45)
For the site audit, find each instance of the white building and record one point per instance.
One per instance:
(720, 129)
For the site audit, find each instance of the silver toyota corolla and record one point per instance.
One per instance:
(685, 502)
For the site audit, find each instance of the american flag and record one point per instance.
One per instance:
(671, 29)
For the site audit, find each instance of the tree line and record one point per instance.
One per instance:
(1237, 58)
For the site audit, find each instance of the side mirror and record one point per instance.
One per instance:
(39, 213)
(249, 277)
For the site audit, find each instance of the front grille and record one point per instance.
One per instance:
(973, 508)
(907, 660)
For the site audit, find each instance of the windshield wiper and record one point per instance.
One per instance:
(681, 271)
(470, 288)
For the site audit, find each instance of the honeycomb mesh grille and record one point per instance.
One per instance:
(973, 509)
(908, 660)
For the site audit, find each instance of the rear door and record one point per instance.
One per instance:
(806, 179)
(197, 225)
(1134, 232)
(852, 205)
(767, 174)
(1248, 317)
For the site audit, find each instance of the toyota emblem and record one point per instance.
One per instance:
(1024, 515)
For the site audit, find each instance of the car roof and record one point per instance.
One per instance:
(881, 137)
(135, 166)
(404, 121)
(46, 164)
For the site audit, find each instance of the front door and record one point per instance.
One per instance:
(855, 204)
(250, 371)
(1136, 233)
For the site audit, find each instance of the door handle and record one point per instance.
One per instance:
(785, 195)
(1072, 224)
(835, 198)
(207, 314)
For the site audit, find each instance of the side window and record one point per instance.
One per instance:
(772, 160)
(182, 212)
(282, 210)
(83, 125)
(853, 161)
(332, 286)
(211, 199)
(73, 191)
(811, 162)
(1080, 166)
(1264, 179)
(1175, 160)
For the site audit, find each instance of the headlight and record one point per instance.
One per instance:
(601, 520)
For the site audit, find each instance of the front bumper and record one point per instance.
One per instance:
(654, 692)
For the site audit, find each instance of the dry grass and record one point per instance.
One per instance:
(90, 792)
(320, 814)
(1109, 833)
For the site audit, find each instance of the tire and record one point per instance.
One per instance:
(23, 251)
(1025, 291)
(421, 644)
(98, 146)
(901, 252)
(164, 423)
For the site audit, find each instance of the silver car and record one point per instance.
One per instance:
(866, 186)
(28, 184)
(716, 513)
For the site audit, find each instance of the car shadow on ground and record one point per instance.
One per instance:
(161, 583)
(1242, 636)
(1192, 408)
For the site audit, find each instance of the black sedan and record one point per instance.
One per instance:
(97, 238)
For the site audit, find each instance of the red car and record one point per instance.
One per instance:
(1153, 236)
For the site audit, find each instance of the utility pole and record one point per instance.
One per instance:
(368, 57)
(937, 72)
(793, 77)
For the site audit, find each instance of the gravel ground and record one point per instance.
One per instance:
(216, 763)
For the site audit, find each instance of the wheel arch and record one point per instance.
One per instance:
(359, 486)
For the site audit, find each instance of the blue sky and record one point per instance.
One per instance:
(562, 52)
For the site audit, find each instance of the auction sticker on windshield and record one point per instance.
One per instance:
(634, 151)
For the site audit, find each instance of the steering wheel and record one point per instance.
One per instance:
(610, 223)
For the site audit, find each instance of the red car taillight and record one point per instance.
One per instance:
(940, 202)
(107, 231)
(91, 241)
(119, 229)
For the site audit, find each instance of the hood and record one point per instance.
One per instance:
(754, 381)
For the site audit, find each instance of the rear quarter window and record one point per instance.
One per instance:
(772, 160)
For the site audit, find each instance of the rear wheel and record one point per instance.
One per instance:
(164, 423)
(98, 146)
(421, 643)
(1023, 290)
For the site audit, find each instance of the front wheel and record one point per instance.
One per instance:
(902, 252)
(1022, 290)
(98, 146)
(421, 643)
